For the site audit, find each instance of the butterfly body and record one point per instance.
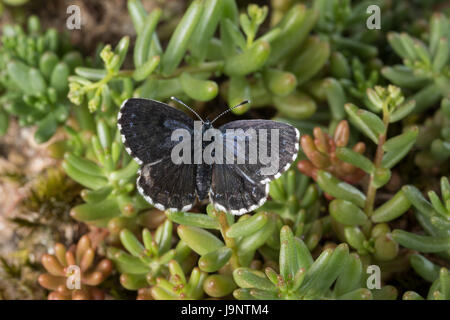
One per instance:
(203, 172)
(148, 129)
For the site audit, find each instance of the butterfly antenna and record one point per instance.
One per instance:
(226, 111)
(182, 103)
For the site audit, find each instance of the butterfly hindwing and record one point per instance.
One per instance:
(233, 193)
(146, 127)
(168, 186)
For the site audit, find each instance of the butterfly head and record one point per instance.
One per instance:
(207, 124)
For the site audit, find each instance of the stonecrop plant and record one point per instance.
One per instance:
(108, 173)
(302, 277)
(75, 261)
(433, 217)
(35, 67)
(369, 189)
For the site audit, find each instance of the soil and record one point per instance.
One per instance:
(101, 21)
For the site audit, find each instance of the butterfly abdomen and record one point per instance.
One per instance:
(203, 172)
(203, 180)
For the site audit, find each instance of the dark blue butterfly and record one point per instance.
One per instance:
(146, 127)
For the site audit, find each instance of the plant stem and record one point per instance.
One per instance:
(229, 242)
(371, 190)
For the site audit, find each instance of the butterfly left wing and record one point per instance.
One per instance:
(146, 127)
(242, 187)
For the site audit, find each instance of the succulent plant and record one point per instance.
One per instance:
(148, 261)
(35, 67)
(341, 21)
(356, 186)
(60, 267)
(300, 277)
(425, 68)
(241, 238)
(322, 154)
(353, 211)
(434, 218)
(177, 286)
(108, 173)
(296, 201)
(432, 273)
(252, 62)
(434, 141)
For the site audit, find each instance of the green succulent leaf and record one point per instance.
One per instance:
(391, 209)
(199, 240)
(421, 243)
(339, 189)
(214, 260)
(180, 38)
(355, 158)
(248, 226)
(347, 213)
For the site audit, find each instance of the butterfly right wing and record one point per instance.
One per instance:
(146, 127)
(240, 188)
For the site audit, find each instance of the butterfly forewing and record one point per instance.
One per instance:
(287, 140)
(146, 127)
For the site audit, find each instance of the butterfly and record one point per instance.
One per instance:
(147, 128)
